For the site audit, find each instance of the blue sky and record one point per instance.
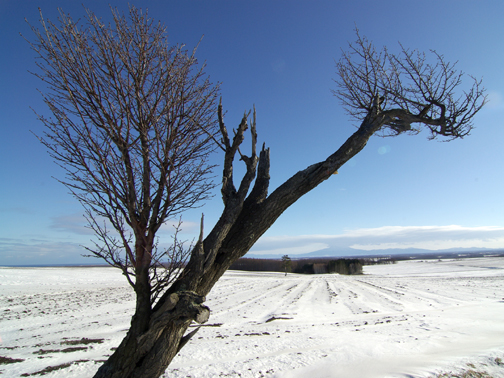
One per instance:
(279, 55)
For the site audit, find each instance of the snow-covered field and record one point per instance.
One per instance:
(411, 319)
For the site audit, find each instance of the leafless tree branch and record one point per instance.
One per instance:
(407, 89)
(133, 123)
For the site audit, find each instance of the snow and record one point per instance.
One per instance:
(411, 319)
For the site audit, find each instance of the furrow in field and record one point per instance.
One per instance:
(351, 299)
(250, 303)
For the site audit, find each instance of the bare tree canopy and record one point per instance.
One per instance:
(132, 126)
(406, 89)
(133, 123)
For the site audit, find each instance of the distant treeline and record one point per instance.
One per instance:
(309, 266)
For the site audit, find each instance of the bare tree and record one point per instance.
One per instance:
(390, 94)
(116, 159)
(133, 122)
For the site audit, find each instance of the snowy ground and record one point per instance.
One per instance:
(411, 319)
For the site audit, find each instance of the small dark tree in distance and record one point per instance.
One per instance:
(286, 263)
(389, 94)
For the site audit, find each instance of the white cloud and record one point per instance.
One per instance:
(74, 223)
(186, 227)
(45, 251)
(387, 237)
(20, 252)
(305, 248)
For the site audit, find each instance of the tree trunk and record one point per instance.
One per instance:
(154, 338)
(147, 352)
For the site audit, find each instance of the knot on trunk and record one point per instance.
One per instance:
(178, 308)
(189, 307)
(181, 307)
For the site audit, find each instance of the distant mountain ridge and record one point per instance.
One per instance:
(352, 252)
